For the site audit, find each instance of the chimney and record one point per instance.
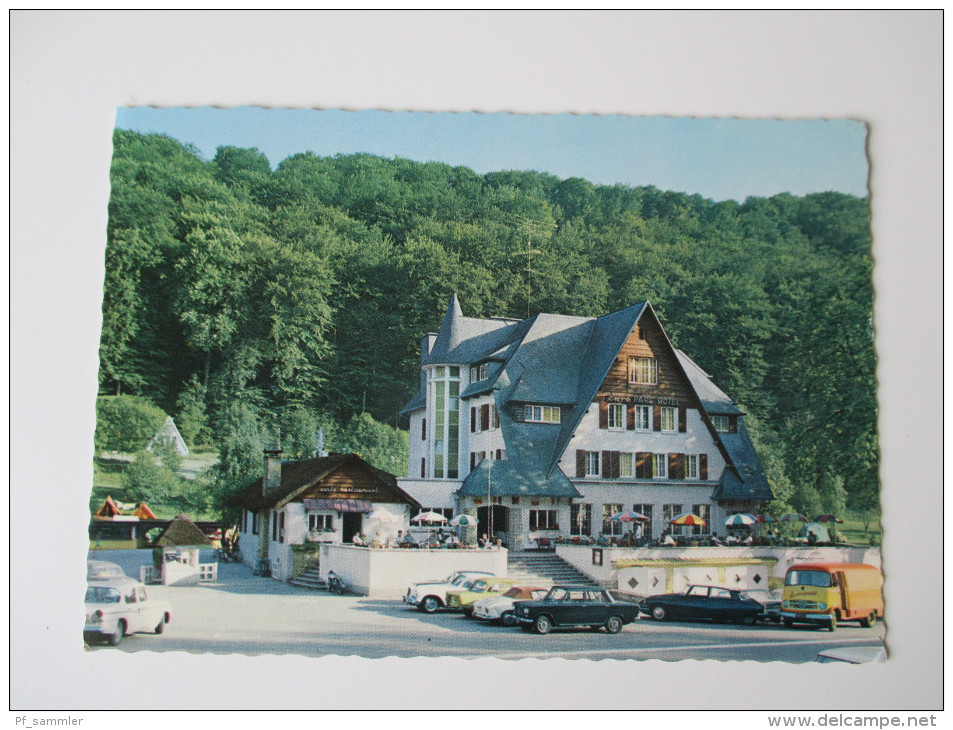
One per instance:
(271, 482)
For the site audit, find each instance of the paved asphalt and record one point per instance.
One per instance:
(245, 614)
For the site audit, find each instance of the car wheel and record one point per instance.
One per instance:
(430, 604)
(870, 621)
(508, 618)
(120, 632)
(659, 613)
(543, 624)
(613, 624)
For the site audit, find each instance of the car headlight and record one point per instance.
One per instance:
(822, 605)
(786, 604)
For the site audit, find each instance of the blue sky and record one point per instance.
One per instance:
(716, 158)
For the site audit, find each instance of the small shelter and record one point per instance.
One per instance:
(169, 434)
(178, 547)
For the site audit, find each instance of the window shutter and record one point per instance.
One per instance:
(423, 429)
(580, 463)
(606, 465)
(656, 418)
(603, 414)
(616, 465)
(472, 419)
(485, 417)
(631, 419)
(496, 416)
(733, 424)
(643, 465)
(703, 466)
(682, 419)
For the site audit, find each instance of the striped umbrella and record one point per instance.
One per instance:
(740, 520)
(429, 517)
(765, 519)
(793, 517)
(688, 518)
(629, 516)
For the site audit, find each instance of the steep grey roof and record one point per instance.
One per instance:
(743, 477)
(511, 479)
(746, 480)
(712, 397)
(464, 340)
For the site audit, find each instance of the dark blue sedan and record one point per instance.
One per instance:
(703, 602)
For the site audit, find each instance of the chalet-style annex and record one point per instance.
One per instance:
(561, 422)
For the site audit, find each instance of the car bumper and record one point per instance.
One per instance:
(411, 600)
(807, 618)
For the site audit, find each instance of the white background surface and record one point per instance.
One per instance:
(69, 72)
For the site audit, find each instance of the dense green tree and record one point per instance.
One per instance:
(268, 304)
(126, 423)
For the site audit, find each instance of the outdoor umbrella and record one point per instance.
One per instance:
(629, 516)
(793, 517)
(429, 517)
(383, 516)
(465, 521)
(766, 519)
(688, 518)
(740, 520)
(827, 518)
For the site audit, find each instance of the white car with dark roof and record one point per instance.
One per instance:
(116, 608)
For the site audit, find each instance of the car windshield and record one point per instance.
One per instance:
(808, 578)
(556, 594)
(478, 586)
(102, 594)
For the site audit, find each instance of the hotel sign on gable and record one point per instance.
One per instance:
(642, 400)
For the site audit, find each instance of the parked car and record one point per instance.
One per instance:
(104, 570)
(481, 588)
(118, 607)
(852, 655)
(575, 606)
(770, 603)
(703, 602)
(500, 608)
(430, 596)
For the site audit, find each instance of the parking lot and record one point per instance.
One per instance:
(245, 614)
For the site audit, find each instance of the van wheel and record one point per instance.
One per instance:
(833, 625)
(870, 621)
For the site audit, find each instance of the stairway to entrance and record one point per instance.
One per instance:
(542, 568)
(310, 579)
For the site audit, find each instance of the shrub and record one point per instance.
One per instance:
(126, 422)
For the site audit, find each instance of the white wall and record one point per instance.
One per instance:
(581, 558)
(388, 573)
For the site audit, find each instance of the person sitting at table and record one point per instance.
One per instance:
(484, 540)
(747, 540)
(667, 540)
(715, 540)
(358, 539)
(731, 539)
(452, 539)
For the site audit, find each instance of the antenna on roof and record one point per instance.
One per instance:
(530, 227)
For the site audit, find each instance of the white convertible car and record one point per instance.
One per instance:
(117, 607)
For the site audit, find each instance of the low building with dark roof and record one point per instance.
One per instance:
(307, 502)
(559, 422)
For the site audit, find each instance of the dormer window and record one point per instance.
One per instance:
(643, 370)
(721, 423)
(542, 414)
(479, 372)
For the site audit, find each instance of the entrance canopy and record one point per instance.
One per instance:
(339, 505)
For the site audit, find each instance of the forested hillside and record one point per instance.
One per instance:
(242, 300)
